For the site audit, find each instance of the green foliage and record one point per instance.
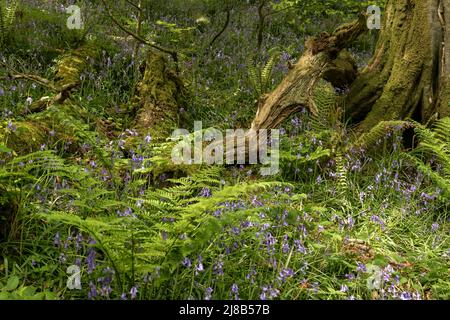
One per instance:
(261, 76)
(8, 9)
(434, 145)
(100, 196)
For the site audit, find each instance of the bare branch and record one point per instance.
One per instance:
(172, 53)
(31, 77)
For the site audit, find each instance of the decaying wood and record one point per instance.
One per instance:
(67, 77)
(321, 59)
(33, 131)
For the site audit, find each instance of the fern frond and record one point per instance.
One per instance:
(380, 131)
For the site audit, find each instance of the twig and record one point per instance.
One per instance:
(32, 77)
(172, 53)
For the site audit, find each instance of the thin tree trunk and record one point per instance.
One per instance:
(261, 23)
(160, 96)
(227, 23)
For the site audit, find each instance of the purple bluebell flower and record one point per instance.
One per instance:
(133, 292)
(235, 291)
(57, 239)
(218, 268)
(285, 274)
(361, 267)
(90, 260)
(11, 126)
(285, 247)
(270, 241)
(268, 292)
(350, 276)
(128, 212)
(405, 296)
(300, 247)
(251, 275)
(208, 293)
(186, 262)
(92, 291)
(205, 192)
(78, 241)
(199, 266)
(435, 227)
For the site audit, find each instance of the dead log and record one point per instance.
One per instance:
(322, 60)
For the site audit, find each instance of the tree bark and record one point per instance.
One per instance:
(408, 74)
(323, 58)
(160, 96)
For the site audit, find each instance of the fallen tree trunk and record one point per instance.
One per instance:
(322, 60)
(30, 134)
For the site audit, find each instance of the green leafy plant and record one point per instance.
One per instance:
(434, 145)
(8, 9)
(261, 75)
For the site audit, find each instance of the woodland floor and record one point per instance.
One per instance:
(81, 184)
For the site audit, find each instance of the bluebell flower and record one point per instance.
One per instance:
(435, 227)
(199, 266)
(92, 291)
(234, 288)
(218, 268)
(133, 292)
(11, 127)
(186, 262)
(285, 274)
(57, 240)
(208, 293)
(361, 267)
(90, 260)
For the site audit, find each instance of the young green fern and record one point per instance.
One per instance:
(325, 103)
(8, 11)
(434, 144)
(260, 77)
(169, 224)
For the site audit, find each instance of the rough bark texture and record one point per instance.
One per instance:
(408, 74)
(444, 97)
(67, 77)
(322, 59)
(33, 131)
(160, 97)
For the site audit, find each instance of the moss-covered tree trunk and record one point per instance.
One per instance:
(408, 76)
(160, 96)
